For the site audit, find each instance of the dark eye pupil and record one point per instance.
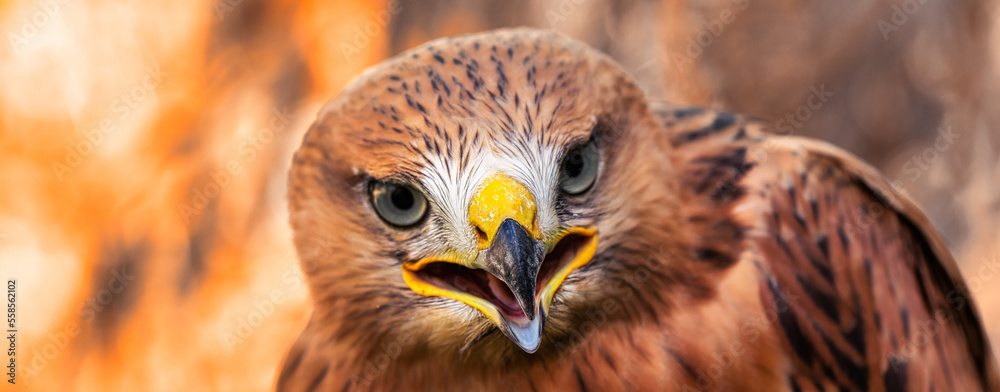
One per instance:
(574, 164)
(402, 198)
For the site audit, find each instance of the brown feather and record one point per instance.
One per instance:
(866, 295)
(721, 263)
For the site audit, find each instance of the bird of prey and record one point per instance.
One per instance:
(508, 211)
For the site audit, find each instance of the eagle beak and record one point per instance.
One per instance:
(514, 275)
(515, 258)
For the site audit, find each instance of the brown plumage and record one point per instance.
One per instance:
(723, 258)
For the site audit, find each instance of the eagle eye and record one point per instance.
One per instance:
(579, 168)
(398, 205)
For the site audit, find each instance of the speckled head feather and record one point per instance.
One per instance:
(442, 118)
(704, 255)
(446, 114)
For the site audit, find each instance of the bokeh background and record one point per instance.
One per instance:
(144, 146)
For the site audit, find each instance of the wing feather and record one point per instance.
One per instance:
(869, 296)
(865, 293)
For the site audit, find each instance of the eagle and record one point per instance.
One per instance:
(509, 211)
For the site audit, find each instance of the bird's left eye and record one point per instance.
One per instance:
(399, 205)
(579, 168)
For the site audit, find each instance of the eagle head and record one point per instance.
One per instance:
(494, 194)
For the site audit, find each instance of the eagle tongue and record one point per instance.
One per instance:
(514, 259)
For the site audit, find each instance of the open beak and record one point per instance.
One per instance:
(514, 274)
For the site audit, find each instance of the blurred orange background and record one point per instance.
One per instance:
(144, 147)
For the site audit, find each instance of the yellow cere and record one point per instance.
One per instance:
(500, 198)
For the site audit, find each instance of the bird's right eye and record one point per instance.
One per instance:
(398, 205)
